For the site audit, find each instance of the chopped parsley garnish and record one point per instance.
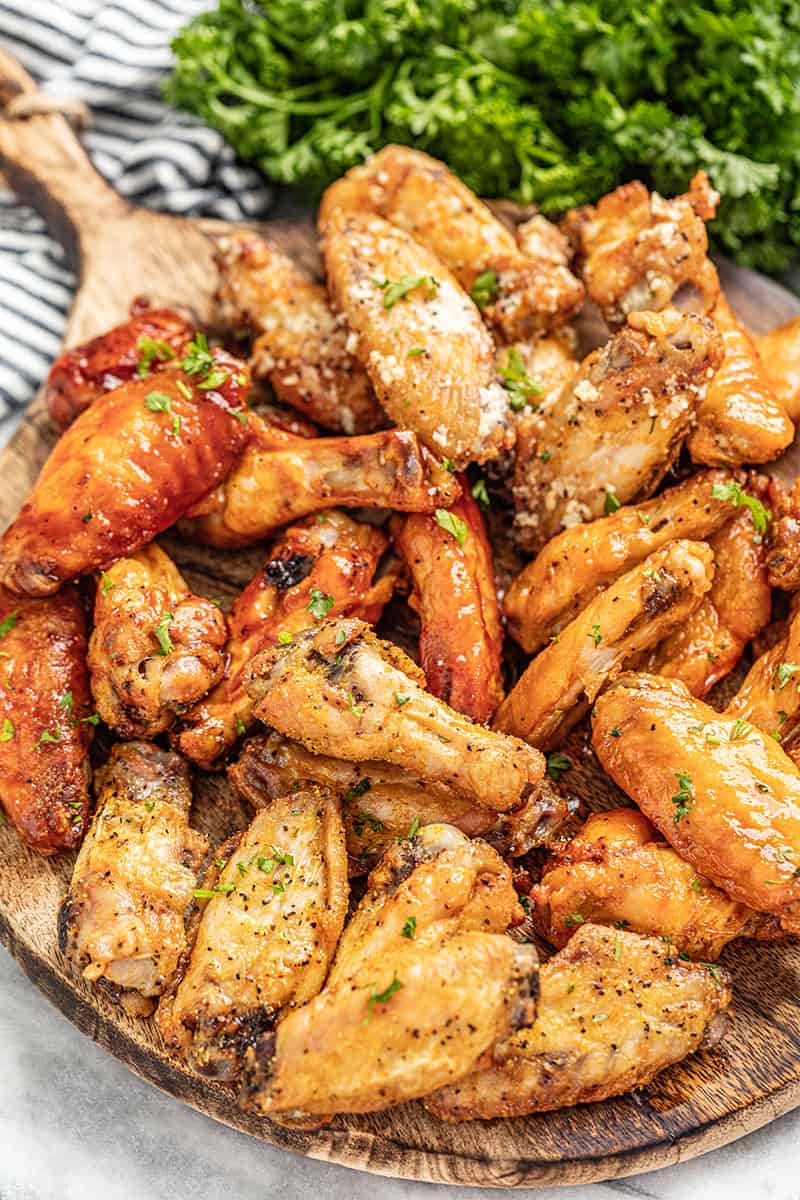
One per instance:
(545, 456)
(399, 290)
(683, 798)
(152, 350)
(599, 1017)
(223, 888)
(362, 819)
(412, 829)
(611, 504)
(47, 737)
(202, 893)
(518, 383)
(558, 765)
(8, 624)
(740, 729)
(784, 672)
(595, 635)
(382, 997)
(615, 732)
(240, 726)
(484, 290)
(358, 789)
(735, 494)
(6, 730)
(161, 633)
(400, 700)
(356, 709)
(149, 805)
(480, 493)
(284, 637)
(319, 605)
(697, 886)
(415, 352)
(86, 518)
(449, 465)
(161, 402)
(450, 523)
(409, 928)
(94, 719)
(574, 919)
(198, 360)
(66, 703)
(106, 583)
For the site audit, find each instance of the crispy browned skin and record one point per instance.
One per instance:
(721, 791)
(741, 419)
(123, 919)
(141, 683)
(780, 357)
(581, 561)
(428, 354)
(461, 638)
(329, 555)
(342, 691)
(614, 1009)
(301, 348)
(617, 426)
(267, 933)
(618, 871)
(634, 613)
(770, 693)
(136, 348)
(44, 690)
(533, 288)
(121, 474)
(783, 553)
(636, 250)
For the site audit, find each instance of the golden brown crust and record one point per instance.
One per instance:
(780, 355)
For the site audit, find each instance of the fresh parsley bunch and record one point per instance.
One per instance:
(547, 101)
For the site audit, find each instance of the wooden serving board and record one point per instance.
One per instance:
(711, 1099)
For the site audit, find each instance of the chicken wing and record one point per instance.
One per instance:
(126, 469)
(618, 425)
(123, 919)
(341, 691)
(45, 719)
(322, 566)
(301, 348)
(155, 648)
(613, 1011)
(636, 612)
(270, 924)
(722, 793)
(636, 250)
(770, 694)
(428, 354)
(522, 287)
(780, 357)
(783, 553)
(449, 560)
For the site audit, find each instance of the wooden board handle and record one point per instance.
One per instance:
(46, 165)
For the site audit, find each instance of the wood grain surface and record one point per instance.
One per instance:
(713, 1098)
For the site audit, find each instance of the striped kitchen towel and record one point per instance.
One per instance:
(113, 57)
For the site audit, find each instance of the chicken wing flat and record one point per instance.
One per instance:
(135, 349)
(452, 575)
(780, 357)
(635, 613)
(342, 691)
(268, 930)
(126, 469)
(618, 871)
(421, 339)
(741, 419)
(45, 716)
(522, 286)
(301, 348)
(722, 793)
(583, 560)
(155, 648)
(123, 919)
(614, 1009)
(323, 565)
(618, 425)
(636, 250)
(770, 696)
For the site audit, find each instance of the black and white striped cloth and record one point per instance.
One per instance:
(113, 57)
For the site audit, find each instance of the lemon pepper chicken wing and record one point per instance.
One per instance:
(635, 613)
(123, 919)
(155, 648)
(783, 552)
(321, 566)
(769, 696)
(614, 1009)
(45, 713)
(266, 935)
(722, 792)
(780, 355)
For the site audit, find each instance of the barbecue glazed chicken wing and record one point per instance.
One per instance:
(268, 930)
(126, 469)
(722, 793)
(323, 566)
(123, 919)
(45, 726)
(617, 426)
(780, 356)
(301, 348)
(614, 1009)
(155, 648)
(421, 339)
(342, 691)
(522, 286)
(635, 613)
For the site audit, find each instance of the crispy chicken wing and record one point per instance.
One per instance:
(125, 470)
(770, 694)
(721, 792)
(420, 338)
(617, 426)
(452, 576)
(301, 348)
(780, 357)
(123, 919)
(268, 930)
(155, 648)
(522, 286)
(341, 691)
(783, 553)
(636, 612)
(44, 719)
(321, 566)
(614, 1009)
(636, 250)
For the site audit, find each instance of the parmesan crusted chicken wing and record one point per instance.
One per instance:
(780, 356)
